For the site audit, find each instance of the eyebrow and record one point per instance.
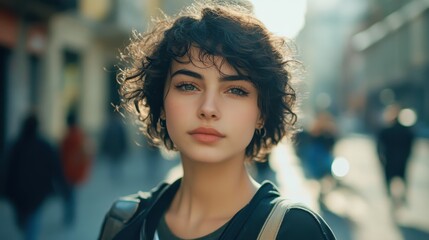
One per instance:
(187, 73)
(199, 76)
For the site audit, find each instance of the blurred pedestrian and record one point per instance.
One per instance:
(114, 144)
(314, 146)
(213, 84)
(394, 146)
(76, 158)
(33, 174)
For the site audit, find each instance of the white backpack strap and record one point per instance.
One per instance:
(274, 220)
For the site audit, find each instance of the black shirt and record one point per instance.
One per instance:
(164, 232)
(298, 223)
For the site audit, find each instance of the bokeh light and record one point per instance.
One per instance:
(340, 167)
(407, 117)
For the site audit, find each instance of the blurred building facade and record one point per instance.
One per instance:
(24, 35)
(322, 45)
(390, 57)
(364, 55)
(59, 55)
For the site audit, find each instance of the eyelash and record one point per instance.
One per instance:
(241, 91)
(235, 90)
(183, 85)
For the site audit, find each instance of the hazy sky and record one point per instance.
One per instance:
(284, 17)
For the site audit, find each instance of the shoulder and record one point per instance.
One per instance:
(302, 223)
(125, 209)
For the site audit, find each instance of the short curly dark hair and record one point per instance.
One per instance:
(231, 32)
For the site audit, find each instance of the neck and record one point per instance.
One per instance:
(213, 190)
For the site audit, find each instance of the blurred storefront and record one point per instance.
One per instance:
(23, 41)
(80, 58)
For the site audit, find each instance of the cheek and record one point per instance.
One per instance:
(176, 110)
(245, 119)
(248, 113)
(171, 108)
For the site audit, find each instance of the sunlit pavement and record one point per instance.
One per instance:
(358, 209)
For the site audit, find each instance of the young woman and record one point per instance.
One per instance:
(214, 85)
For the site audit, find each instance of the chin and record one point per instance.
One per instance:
(203, 155)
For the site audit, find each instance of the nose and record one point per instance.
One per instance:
(209, 108)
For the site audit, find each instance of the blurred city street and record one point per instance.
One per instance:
(60, 61)
(357, 209)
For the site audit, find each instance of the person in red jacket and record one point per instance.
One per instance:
(76, 160)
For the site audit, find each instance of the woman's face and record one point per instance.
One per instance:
(211, 111)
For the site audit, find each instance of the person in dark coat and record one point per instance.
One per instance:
(394, 146)
(32, 173)
(314, 146)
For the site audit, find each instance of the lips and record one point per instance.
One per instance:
(206, 135)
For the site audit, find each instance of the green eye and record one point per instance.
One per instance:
(186, 87)
(238, 91)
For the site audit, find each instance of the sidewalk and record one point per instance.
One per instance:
(361, 199)
(375, 219)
